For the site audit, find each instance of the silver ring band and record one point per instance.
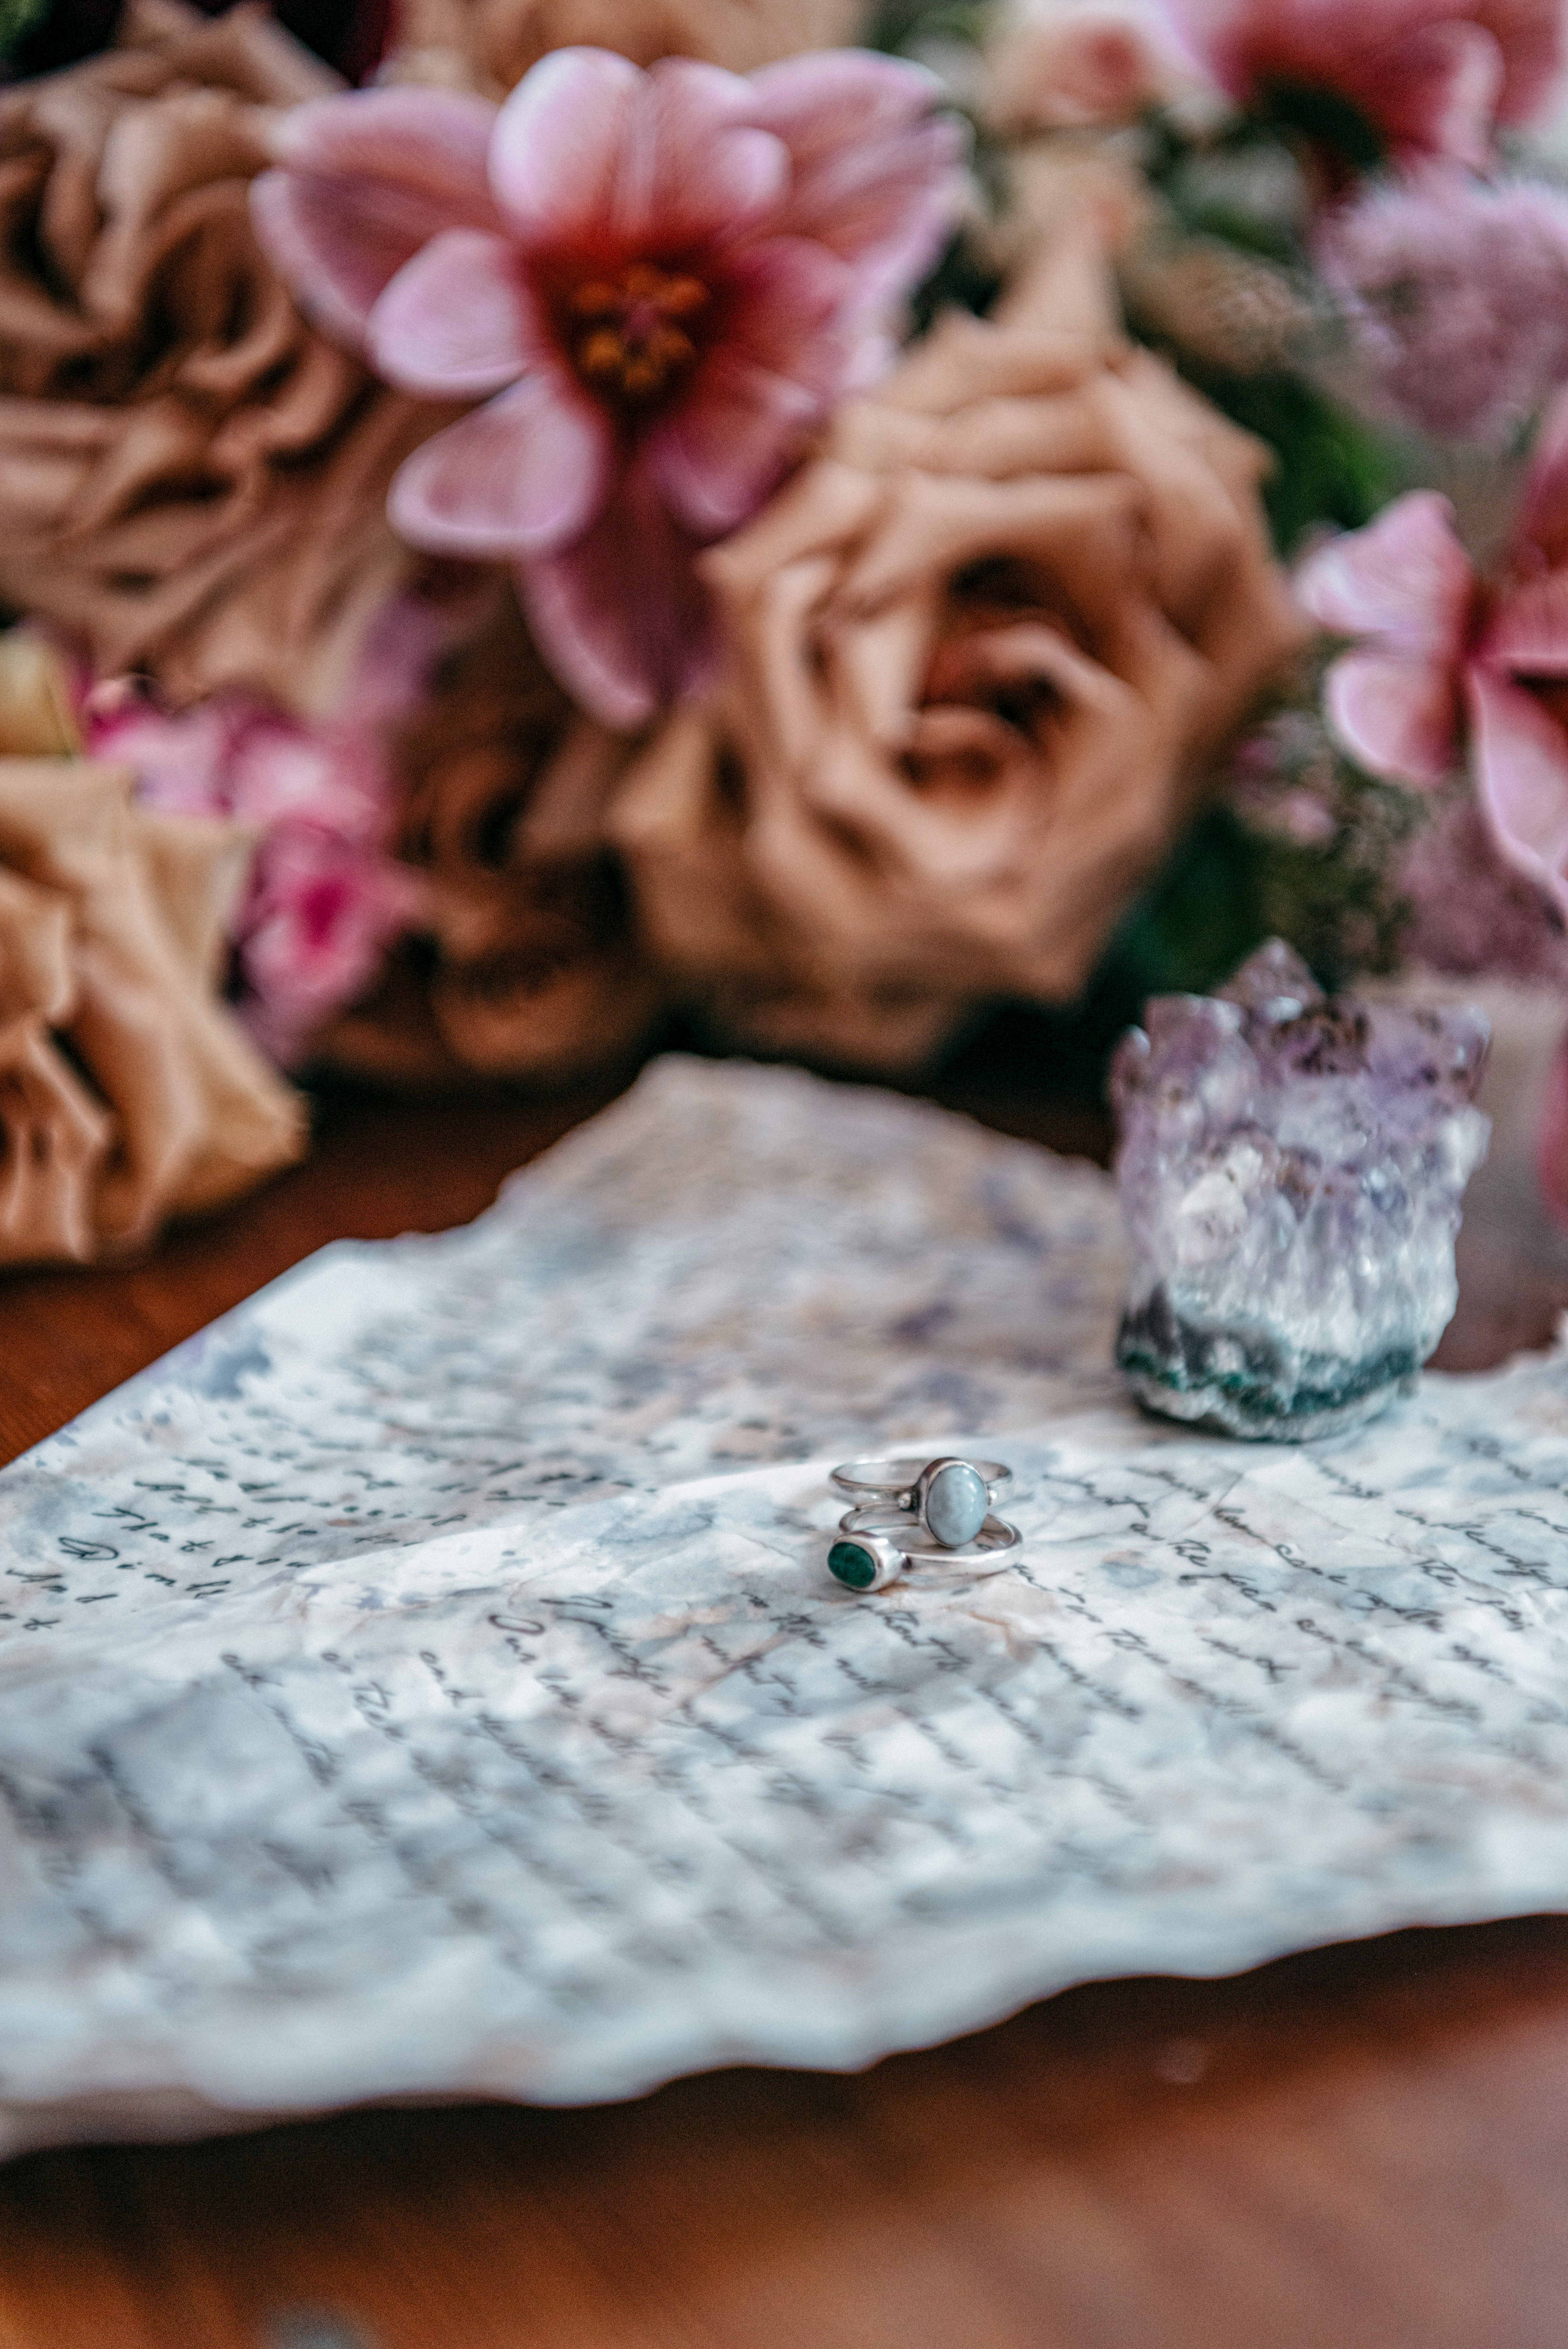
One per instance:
(948, 1496)
(873, 1546)
(895, 1480)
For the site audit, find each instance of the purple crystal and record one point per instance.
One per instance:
(1291, 1167)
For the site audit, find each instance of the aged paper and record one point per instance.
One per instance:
(427, 1681)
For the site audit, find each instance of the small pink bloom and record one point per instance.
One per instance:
(324, 898)
(657, 281)
(1457, 294)
(1430, 77)
(1448, 662)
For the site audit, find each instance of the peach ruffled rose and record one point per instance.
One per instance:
(192, 482)
(127, 1094)
(489, 45)
(981, 658)
(1059, 65)
(525, 965)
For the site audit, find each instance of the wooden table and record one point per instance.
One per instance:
(1363, 2148)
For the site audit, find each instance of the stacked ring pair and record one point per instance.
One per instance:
(910, 1510)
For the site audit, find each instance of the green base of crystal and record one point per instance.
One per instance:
(1244, 1383)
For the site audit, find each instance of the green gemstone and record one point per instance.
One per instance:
(852, 1564)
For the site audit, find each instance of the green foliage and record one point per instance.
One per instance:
(1326, 118)
(1330, 467)
(902, 27)
(17, 19)
(1337, 901)
(1200, 919)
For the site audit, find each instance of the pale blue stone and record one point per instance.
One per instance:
(956, 1503)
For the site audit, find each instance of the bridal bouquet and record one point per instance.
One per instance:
(663, 511)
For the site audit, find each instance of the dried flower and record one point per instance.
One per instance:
(1457, 294)
(525, 964)
(191, 481)
(1079, 64)
(665, 278)
(109, 922)
(1448, 662)
(497, 40)
(980, 658)
(1429, 77)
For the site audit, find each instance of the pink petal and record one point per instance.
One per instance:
(1395, 716)
(697, 169)
(456, 321)
(1405, 578)
(365, 180)
(622, 616)
(1531, 35)
(1543, 514)
(1521, 778)
(1378, 54)
(557, 143)
(760, 390)
(1529, 632)
(1437, 93)
(590, 152)
(521, 475)
(876, 174)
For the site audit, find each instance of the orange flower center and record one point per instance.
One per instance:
(632, 333)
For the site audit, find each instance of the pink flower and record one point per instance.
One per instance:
(658, 283)
(324, 898)
(1448, 662)
(1458, 299)
(1430, 77)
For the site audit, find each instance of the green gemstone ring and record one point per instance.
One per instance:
(864, 1561)
(873, 1547)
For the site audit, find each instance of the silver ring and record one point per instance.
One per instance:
(874, 1546)
(947, 1496)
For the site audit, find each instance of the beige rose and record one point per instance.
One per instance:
(982, 655)
(491, 44)
(526, 967)
(111, 934)
(1056, 64)
(192, 482)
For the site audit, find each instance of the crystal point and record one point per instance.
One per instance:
(1291, 1167)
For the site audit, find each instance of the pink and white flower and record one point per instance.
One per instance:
(658, 283)
(1448, 664)
(324, 898)
(1431, 76)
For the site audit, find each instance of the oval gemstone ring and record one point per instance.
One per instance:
(948, 1496)
(873, 1547)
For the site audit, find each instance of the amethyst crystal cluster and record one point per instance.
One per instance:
(1291, 1167)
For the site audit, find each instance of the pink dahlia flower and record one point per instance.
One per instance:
(657, 283)
(1430, 77)
(1448, 662)
(324, 898)
(1458, 299)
